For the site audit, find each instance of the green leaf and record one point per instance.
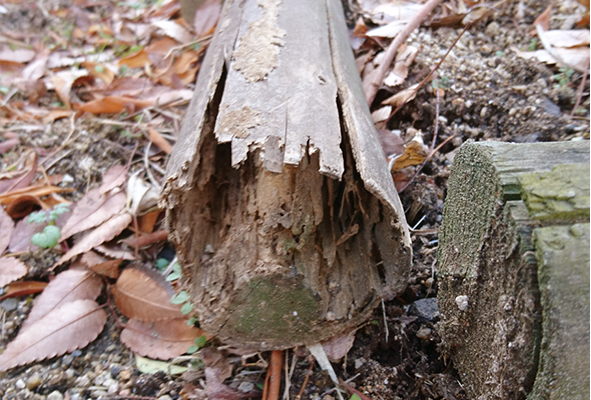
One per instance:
(162, 263)
(355, 397)
(192, 349)
(179, 298)
(57, 211)
(192, 321)
(37, 217)
(186, 308)
(201, 340)
(48, 238)
(176, 272)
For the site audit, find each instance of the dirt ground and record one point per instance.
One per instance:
(490, 94)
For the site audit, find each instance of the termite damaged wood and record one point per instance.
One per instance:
(279, 200)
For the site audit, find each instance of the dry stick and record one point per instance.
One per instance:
(580, 90)
(432, 144)
(393, 48)
(432, 71)
(273, 379)
(299, 396)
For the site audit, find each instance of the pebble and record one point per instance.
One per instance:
(34, 381)
(165, 397)
(20, 384)
(493, 29)
(246, 387)
(83, 382)
(425, 308)
(55, 395)
(424, 333)
(125, 375)
(9, 304)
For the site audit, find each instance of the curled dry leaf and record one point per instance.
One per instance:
(415, 153)
(115, 251)
(6, 229)
(70, 285)
(102, 265)
(103, 233)
(144, 294)
(23, 177)
(93, 209)
(402, 97)
(66, 328)
(11, 269)
(16, 289)
(159, 339)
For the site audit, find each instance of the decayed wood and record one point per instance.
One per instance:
(278, 199)
(507, 318)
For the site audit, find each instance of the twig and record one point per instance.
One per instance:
(393, 48)
(299, 396)
(385, 320)
(432, 143)
(273, 379)
(580, 90)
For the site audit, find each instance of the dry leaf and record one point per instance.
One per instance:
(16, 55)
(63, 81)
(23, 206)
(113, 105)
(99, 70)
(101, 265)
(67, 328)
(140, 195)
(16, 289)
(415, 153)
(8, 145)
(23, 177)
(35, 190)
(338, 346)
(93, 209)
(70, 285)
(146, 240)
(543, 19)
(113, 250)
(206, 17)
(6, 229)
(144, 294)
(103, 233)
(404, 59)
(402, 97)
(113, 178)
(159, 339)
(174, 30)
(136, 60)
(11, 269)
(568, 38)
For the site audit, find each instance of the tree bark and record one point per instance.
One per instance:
(279, 200)
(513, 264)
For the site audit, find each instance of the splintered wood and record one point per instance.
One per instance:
(279, 200)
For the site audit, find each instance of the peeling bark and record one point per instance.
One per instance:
(279, 200)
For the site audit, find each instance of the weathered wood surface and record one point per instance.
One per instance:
(279, 200)
(513, 261)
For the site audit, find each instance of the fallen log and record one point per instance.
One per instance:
(279, 201)
(514, 270)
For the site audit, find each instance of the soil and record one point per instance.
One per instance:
(490, 94)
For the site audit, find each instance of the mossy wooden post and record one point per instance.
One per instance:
(279, 200)
(514, 270)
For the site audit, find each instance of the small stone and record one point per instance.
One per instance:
(124, 392)
(359, 362)
(9, 304)
(493, 29)
(55, 395)
(20, 384)
(165, 397)
(424, 333)
(99, 393)
(34, 381)
(512, 112)
(67, 360)
(246, 387)
(425, 308)
(462, 302)
(125, 375)
(483, 112)
(328, 397)
(83, 382)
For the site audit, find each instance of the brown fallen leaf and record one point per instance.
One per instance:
(158, 140)
(144, 294)
(23, 177)
(206, 17)
(93, 209)
(146, 240)
(136, 60)
(113, 250)
(113, 178)
(34, 190)
(101, 264)
(70, 285)
(8, 145)
(415, 153)
(6, 229)
(23, 206)
(338, 346)
(159, 339)
(67, 328)
(11, 269)
(402, 97)
(16, 289)
(98, 236)
(112, 105)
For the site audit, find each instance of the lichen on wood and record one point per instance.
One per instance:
(489, 294)
(279, 201)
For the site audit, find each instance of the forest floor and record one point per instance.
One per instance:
(48, 103)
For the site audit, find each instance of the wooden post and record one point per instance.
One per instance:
(514, 270)
(279, 200)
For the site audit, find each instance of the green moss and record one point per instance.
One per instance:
(275, 308)
(562, 193)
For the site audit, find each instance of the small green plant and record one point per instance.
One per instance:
(199, 343)
(563, 76)
(51, 233)
(533, 43)
(355, 397)
(176, 272)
